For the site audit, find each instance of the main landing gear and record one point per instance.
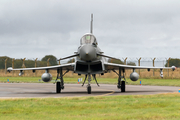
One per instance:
(89, 80)
(121, 80)
(60, 84)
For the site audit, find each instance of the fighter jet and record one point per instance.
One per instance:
(90, 61)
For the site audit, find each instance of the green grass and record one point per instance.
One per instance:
(20, 79)
(136, 107)
(159, 82)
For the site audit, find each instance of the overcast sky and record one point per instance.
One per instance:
(123, 28)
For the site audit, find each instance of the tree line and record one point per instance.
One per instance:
(28, 63)
(53, 61)
(173, 62)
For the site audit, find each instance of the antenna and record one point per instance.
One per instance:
(91, 30)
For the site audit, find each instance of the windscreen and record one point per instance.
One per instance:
(88, 39)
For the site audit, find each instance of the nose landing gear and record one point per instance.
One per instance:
(89, 82)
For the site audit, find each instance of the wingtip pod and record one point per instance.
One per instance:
(9, 69)
(173, 68)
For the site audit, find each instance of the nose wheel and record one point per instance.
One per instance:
(89, 84)
(89, 89)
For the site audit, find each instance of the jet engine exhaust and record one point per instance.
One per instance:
(46, 77)
(134, 76)
(88, 53)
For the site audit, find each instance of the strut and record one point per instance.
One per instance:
(60, 84)
(94, 76)
(84, 80)
(121, 83)
(89, 85)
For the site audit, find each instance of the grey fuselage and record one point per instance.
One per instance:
(88, 60)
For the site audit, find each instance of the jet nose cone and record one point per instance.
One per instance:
(88, 53)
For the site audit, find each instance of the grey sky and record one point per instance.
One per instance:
(123, 28)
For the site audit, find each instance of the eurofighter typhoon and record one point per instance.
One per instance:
(90, 61)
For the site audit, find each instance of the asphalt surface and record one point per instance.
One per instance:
(31, 90)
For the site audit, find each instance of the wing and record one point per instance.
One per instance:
(113, 66)
(69, 66)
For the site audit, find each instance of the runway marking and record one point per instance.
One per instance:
(111, 92)
(107, 93)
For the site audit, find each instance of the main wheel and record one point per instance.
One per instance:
(123, 86)
(58, 87)
(89, 89)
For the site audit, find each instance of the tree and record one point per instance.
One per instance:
(115, 61)
(131, 63)
(52, 61)
(173, 62)
(2, 62)
(71, 60)
(28, 63)
(18, 63)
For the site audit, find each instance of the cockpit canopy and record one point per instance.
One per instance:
(88, 39)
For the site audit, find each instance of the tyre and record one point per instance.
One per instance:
(89, 89)
(123, 86)
(58, 87)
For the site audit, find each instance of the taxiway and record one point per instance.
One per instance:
(31, 90)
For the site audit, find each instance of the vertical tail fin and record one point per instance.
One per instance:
(91, 30)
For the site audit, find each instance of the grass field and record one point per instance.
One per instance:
(136, 107)
(161, 82)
